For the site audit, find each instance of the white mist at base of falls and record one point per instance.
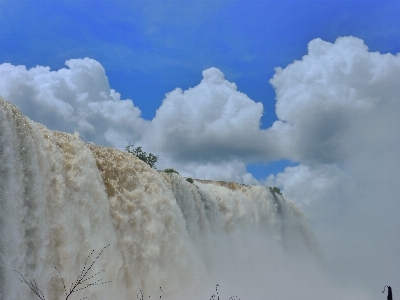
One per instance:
(61, 198)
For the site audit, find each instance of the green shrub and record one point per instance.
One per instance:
(170, 170)
(149, 159)
(189, 180)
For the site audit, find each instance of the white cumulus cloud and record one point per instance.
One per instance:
(338, 100)
(211, 122)
(77, 99)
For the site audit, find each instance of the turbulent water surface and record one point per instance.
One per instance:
(61, 198)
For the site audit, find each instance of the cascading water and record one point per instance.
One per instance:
(60, 198)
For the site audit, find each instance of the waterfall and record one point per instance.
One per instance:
(61, 198)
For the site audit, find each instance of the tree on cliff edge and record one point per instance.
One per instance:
(149, 159)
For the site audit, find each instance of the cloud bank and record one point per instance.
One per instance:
(211, 126)
(338, 118)
(338, 110)
(336, 105)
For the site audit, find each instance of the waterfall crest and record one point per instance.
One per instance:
(60, 198)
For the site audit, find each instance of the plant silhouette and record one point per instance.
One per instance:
(83, 281)
(216, 296)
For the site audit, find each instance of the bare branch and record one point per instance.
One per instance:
(76, 286)
(32, 285)
(79, 284)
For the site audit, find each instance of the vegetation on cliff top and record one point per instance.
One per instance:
(149, 159)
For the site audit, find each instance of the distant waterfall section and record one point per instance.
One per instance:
(61, 198)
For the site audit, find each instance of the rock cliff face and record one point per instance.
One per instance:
(61, 198)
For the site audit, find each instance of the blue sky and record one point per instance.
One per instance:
(303, 95)
(149, 48)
